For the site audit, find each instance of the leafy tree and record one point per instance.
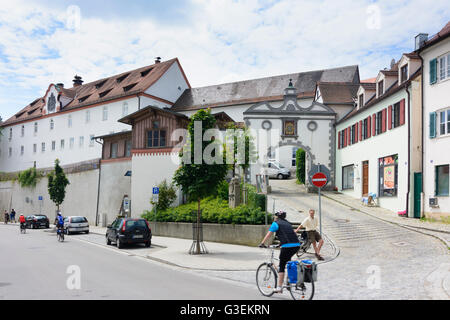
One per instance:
(300, 158)
(199, 180)
(57, 183)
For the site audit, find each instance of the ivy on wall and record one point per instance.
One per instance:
(29, 178)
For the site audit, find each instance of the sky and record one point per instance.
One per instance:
(216, 41)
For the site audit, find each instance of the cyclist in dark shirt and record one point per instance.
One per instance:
(289, 244)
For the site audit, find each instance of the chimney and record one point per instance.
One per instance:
(61, 85)
(392, 63)
(157, 60)
(420, 40)
(77, 81)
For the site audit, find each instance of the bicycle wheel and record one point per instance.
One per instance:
(266, 279)
(302, 291)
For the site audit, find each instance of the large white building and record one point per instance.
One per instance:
(62, 123)
(435, 52)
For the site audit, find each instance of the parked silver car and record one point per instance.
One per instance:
(76, 224)
(277, 170)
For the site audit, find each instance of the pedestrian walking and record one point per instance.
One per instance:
(13, 216)
(6, 216)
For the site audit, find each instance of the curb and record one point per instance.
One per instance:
(406, 226)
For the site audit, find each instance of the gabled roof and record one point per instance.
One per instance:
(441, 35)
(338, 92)
(262, 89)
(150, 109)
(121, 85)
(390, 91)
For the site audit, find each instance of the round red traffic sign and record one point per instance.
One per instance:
(319, 179)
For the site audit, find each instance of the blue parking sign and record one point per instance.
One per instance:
(155, 190)
(41, 198)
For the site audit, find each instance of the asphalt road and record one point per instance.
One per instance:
(36, 266)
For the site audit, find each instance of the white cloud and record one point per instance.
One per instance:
(222, 41)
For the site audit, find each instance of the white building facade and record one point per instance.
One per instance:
(435, 53)
(379, 145)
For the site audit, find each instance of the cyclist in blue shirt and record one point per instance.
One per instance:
(59, 221)
(289, 244)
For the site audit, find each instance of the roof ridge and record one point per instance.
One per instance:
(276, 76)
(120, 74)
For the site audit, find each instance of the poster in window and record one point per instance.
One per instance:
(389, 177)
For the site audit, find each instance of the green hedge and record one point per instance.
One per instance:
(214, 210)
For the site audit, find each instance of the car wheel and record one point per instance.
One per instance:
(108, 242)
(148, 244)
(87, 232)
(119, 244)
(280, 176)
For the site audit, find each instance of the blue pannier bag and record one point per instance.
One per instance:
(292, 269)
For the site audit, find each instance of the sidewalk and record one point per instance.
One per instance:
(220, 257)
(436, 229)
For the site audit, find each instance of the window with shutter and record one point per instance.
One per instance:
(390, 117)
(402, 112)
(432, 125)
(433, 71)
(374, 124)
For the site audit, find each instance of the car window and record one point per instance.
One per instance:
(78, 220)
(136, 223)
(116, 223)
(41, 217)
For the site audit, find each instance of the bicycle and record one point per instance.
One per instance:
(267, 279)
(60, 234)
(305, 244)
(23, 229)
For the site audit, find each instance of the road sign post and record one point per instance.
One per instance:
(319, 179)
(155, 201)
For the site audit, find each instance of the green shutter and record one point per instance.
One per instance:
(433, 71)
(432, 125)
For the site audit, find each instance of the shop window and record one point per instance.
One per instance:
(442, 180)
(388, 176)
(347, 177)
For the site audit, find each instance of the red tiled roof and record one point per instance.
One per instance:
(125, 84)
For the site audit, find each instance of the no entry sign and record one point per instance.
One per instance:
(319, 179)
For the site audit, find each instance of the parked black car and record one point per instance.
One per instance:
(36, 221)
(127, 231)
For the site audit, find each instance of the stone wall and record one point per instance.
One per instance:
(250, 235)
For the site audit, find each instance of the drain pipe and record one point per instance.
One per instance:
(409, 149)
(99, 179)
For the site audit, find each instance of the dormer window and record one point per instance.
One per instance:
(100, 84)
(146, 72)
(404, 73)
(120, 79)
(129, 87)
(83, 98)
(380, 88)
(104, 93)
(361, 100)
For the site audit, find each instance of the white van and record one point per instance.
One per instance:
(277, 170)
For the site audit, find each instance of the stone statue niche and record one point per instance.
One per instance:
(234, 193)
